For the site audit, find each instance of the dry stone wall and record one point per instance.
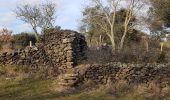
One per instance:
(56, 51)
(66, 49)
(61, 53)
(132, 73)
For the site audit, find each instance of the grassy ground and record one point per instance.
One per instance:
(29, 89)
(166, 44)
(40, 90)
(15, 84)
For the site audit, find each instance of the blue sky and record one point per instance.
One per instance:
(68, 14)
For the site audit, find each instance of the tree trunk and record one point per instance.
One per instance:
(111, 36)
(36, 33)
(123, 39)
(113, 43)
(162, 44)
(147, 46)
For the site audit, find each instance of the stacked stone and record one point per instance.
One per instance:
(31, 57)
(57, 51)
(68, 80)
(132, 73)
(65, 48)
(80, 48)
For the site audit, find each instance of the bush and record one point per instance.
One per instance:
(23, 39)
(162, 58)
(133, 55)
(100, 55)
(51, 30)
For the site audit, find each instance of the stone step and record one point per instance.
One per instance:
(66, 84)
(69, 78)
(70, 75)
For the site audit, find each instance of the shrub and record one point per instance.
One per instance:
(162, 58)
(100, 55)
(131, 55)
(51, 30)
(23, 39)
(6, 35)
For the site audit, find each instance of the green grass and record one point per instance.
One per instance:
(167, 44)
(25, 89)
(42, 90)
(19, 86)
(29, 89)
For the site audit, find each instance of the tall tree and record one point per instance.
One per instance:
(160, 9)
(105, 16)
(159, 16)
(91, 25)
(48, 15)
(31, 15)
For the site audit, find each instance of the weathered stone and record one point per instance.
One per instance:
(67, 40)
(55, 50)
(132, 73)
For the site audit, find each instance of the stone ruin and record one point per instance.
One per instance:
(57, 52)
(62, 54)
(66, 49)
(131, 73)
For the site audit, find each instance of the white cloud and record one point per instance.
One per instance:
(28, 1)
(1, 27)
(68, 12)
(7, 18)
(32, 2)
(61, 20)
(22, 28)
(7, 4)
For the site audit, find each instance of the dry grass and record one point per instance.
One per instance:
(5, 48)
(16, 85)
(29, 89)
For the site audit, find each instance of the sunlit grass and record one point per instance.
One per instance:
(29, 89)
(20, 87)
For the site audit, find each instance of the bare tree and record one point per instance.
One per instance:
(48, 15)
(41, 15)
(107, 12)
(92, 25)
(110, 16)
(31, 15)
(133, 6)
